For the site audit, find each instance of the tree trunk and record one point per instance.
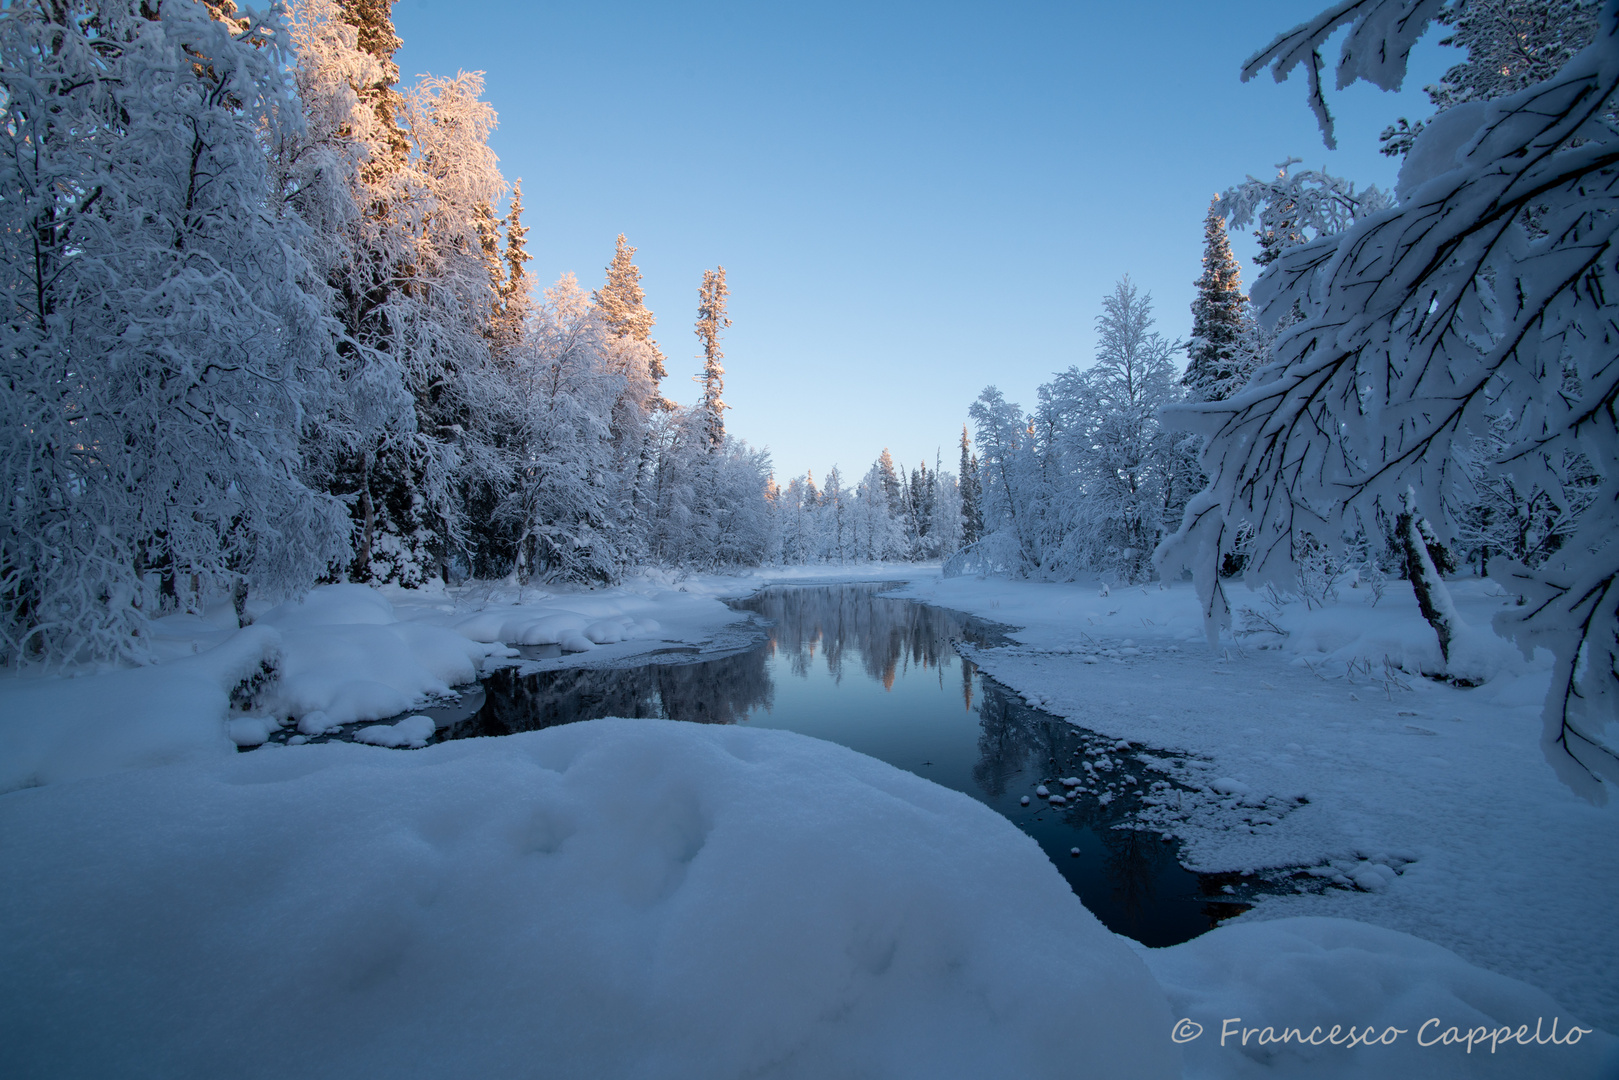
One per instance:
(1432, 595)
(368, 519)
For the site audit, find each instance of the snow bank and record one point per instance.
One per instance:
(340, 655)
(54, 729)
(1310, 973)
(1349, 762)
(346, 658)
(611, 898)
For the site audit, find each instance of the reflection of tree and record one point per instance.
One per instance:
(1016, 742)
(711, 692)
(1014, 738)
(1003, 743)
(890, 634)
(1134, 859)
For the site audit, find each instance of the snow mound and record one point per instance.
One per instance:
(342, 658)
(1309, 972)
(54, 729)
(549, 626)
(609, 898)
(411, 731)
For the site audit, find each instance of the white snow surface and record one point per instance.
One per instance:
(61, 728)
(613, 898)
(1498, 860)
(644, 898)
(1312, 974)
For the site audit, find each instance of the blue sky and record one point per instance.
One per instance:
(911, 201)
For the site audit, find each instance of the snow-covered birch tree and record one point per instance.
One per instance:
(164, 342)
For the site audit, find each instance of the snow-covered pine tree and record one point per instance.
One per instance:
(622, 304)
(1220, 355)
(379, 92)
(972, 518)
(516, 290)
(711, 319)
(621, 308)
(164, 346)
(1486, 293)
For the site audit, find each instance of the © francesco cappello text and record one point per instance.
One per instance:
(1432, 1032)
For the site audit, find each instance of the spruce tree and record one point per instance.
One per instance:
(891, 477)
(373, 19)
(711, 319)
(621, 303)
(1219, 356)
(513, 285)
(488, 230)
(972, 514)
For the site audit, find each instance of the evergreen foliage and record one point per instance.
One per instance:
(711, 319)
(972, 517)
(621, 301)
(1221, 354)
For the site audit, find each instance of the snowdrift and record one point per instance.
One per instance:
(612, 898)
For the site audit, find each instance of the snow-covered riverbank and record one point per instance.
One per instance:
(1497, 859)
(623, 898)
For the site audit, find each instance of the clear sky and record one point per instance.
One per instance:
(911, 200)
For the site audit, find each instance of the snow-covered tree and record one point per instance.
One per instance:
(164, 346)
(561, 504)
(836, 535)
(1511, 45)
(711, 319)
(878, 531)
(515, 288)
(1125, 477)
(622, 303)
(972, 518)
(1485, 293)
(1019, 523)
(949, 517)
(1295, 207)
(1221, 354)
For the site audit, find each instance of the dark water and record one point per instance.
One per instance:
(881, 675)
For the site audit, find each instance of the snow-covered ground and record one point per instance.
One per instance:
(1498, 860)
(621, 898)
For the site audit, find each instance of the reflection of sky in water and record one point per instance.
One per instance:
(880, 675)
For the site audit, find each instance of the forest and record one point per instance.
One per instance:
(354, 574)
(269, 330)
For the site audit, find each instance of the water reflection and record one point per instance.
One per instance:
(882, 676)
(890, 637)
(720, 691)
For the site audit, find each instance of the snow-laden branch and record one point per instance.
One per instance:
(1377, 49)
(1486, 293)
